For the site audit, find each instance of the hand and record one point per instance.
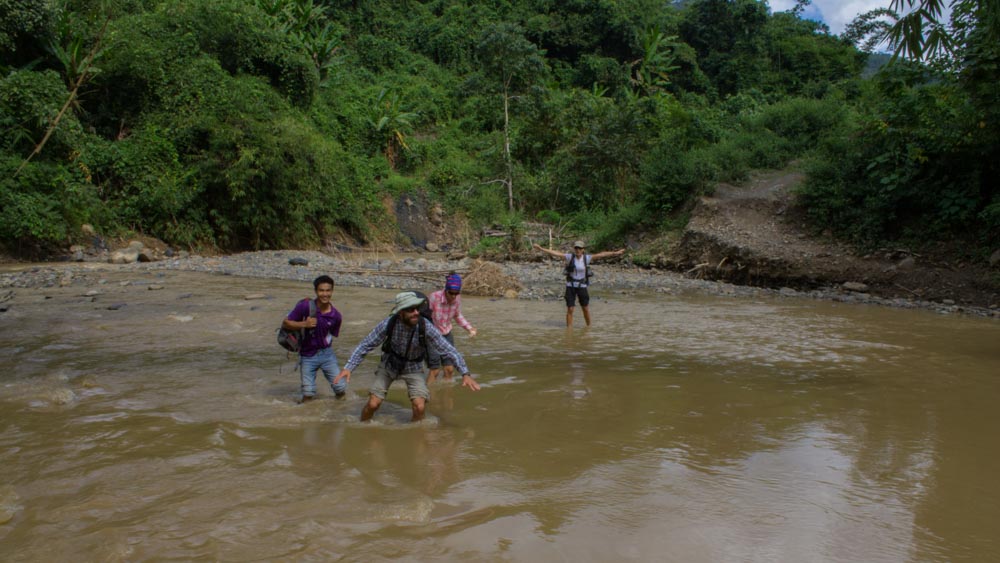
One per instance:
(310, 322)
(467, 381)
(620, 252)
(473, 332)
(536, 246)
(344, 373)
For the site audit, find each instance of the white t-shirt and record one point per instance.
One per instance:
(579, 270)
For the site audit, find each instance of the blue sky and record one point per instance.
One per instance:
(835, 13)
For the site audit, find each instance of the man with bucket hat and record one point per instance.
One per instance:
(406, 338)
(446, 306)
(578, 274)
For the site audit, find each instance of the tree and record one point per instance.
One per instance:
(727, 36)
(23, 27)
(390, 122)
(307, 23)
(652, 72)
(512, 64)
(78, 65)
(925, 158)
(923, 34)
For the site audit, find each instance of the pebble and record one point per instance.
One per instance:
(542, 280)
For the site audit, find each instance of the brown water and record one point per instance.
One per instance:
(679, 428)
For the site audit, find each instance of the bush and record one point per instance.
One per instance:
(43, 205)
(146, 52)
(28, 103)
(801, 122)
(144, 184)
(549, 216)
(670, 176)
(397, 184)
(911, 169)
(486, 205)
(614, 230)
(488, 246)
(380, 54)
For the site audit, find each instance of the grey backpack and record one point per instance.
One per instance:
(291, 340)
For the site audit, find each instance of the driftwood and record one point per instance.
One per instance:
(698, 268)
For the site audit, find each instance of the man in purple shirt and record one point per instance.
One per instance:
(316, 352)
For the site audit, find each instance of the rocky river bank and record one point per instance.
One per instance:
(538, 280)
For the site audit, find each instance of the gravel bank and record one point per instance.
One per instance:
(541, 280)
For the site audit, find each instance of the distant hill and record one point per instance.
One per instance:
(875, 62)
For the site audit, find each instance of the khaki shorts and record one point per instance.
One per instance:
(416, 383)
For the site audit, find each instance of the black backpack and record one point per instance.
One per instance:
(427, 317)
(291, 340)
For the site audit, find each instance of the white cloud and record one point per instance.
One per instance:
(834, 13)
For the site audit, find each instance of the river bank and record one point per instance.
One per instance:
(538, 280)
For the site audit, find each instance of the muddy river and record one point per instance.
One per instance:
(153, 417)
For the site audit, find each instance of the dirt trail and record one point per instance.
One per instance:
(754, 234)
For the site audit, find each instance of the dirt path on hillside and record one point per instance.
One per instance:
(754, 234)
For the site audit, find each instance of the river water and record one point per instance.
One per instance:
(156, 419)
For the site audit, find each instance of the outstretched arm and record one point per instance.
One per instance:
(370, 342)
(555, 253)
(607, 254)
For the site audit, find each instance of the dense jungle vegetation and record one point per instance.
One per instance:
(251, 124)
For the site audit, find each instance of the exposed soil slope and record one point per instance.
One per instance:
(754, 234)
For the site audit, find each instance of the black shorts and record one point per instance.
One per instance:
(573, 292)
(435, 361)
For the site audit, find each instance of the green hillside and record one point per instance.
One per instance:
(239, 125)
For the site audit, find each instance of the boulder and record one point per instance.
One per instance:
(298, 262)
(995, 259)
(124, 256)
(854, 286)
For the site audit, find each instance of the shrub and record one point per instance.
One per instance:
(43, 205)
(379, 54)
(613, 231)
(801, 122)
(486, 205)
(670, 176)
(28, 103)
(488, 246)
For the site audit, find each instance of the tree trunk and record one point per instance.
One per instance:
(506, 150)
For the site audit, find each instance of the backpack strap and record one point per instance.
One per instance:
(312, 313)
(421, 337)
(386, 344)
(571, 269)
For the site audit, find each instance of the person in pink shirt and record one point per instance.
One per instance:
(446, 306)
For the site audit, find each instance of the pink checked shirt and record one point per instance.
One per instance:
(443, 312)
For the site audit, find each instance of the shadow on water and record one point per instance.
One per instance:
(678, 427)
